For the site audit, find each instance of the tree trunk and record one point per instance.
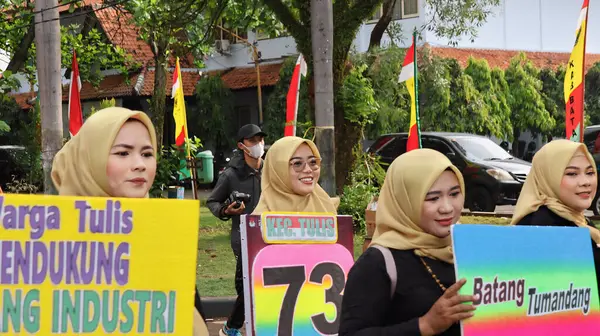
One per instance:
(159, 95)
(19, 57)
(47, 33)
(382, 24)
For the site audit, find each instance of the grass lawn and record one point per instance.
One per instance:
(216, 265)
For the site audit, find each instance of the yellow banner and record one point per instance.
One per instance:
(97, 266)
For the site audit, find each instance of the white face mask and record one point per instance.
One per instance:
(257, 150)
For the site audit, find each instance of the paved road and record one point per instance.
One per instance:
(215, 325)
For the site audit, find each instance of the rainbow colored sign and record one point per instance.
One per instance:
(296, 288)
(530, 280)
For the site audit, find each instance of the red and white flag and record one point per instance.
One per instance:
(291, 114)
(75, 113)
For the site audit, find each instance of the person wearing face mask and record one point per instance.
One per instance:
(421, 197)
(243, 175)
(560, 187)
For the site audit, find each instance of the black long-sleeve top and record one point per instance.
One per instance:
(367, 308)
(546, 217)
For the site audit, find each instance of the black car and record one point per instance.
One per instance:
(492, 176)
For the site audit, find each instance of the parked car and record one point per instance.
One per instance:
(492, 176)
(591, 138)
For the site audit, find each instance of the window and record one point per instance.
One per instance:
(394, 148)
(403, 9)
(437, 145)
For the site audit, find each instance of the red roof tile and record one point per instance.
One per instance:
(110, 87)
(242, 78)
(501, 58)
(117, 25)
(189, 80)
(23, 99)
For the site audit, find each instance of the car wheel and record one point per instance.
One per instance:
(596, 205)
(480, 199)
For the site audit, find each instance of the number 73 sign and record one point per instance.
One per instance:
(294, 288)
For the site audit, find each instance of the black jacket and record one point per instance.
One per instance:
(545, 217)
(238, 176)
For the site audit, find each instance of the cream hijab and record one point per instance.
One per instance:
(79, 168)
(277, 194)
(401, 199)
(543, 184)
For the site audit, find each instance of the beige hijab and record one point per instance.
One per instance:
(79, 168)
(543, 184)
(401, 199)
(277, 194)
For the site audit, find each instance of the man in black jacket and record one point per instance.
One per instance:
(242, 176)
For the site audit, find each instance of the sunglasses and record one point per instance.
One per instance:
(300, 165)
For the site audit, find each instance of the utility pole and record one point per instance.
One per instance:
(321, 14)
(47, 43)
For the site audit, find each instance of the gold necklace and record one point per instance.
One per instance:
(433, 275)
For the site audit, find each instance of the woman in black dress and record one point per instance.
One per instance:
(422, 196)
(560, 187)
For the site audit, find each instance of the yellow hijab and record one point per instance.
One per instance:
(277, 194)
(401, 199)
(543, 184)
(79, 168)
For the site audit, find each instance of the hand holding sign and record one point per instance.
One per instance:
(447, 310)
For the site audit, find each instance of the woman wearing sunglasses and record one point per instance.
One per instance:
(290, 175)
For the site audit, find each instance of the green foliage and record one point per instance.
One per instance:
(393, 99)
(524, 98)
(168, 165)
(213, 112)
(94, 52)
(356, 95)
(365, 180)
(275, 109)
(554, 99)
(105, 103)
(592, 94)
(497, 122)
(455, 20)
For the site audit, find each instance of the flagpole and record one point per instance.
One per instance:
(582, 124)
(416, 88)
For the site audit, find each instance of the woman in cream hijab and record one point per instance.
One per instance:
(422, 196)
(559, 188)
(290, 176)
(112, 155)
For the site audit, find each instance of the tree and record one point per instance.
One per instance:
(348, 16)
(554, 98)
(526, 103)
(274, 118)
(490, 85)
(94, 52)
(451, 19)
(213, 112)
(172, 27)
(592, 94)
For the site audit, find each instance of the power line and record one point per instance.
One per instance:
(49, 8)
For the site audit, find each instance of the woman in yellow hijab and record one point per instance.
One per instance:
(290, 175)
(422, 196)
(561, 185)
(112, 155)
